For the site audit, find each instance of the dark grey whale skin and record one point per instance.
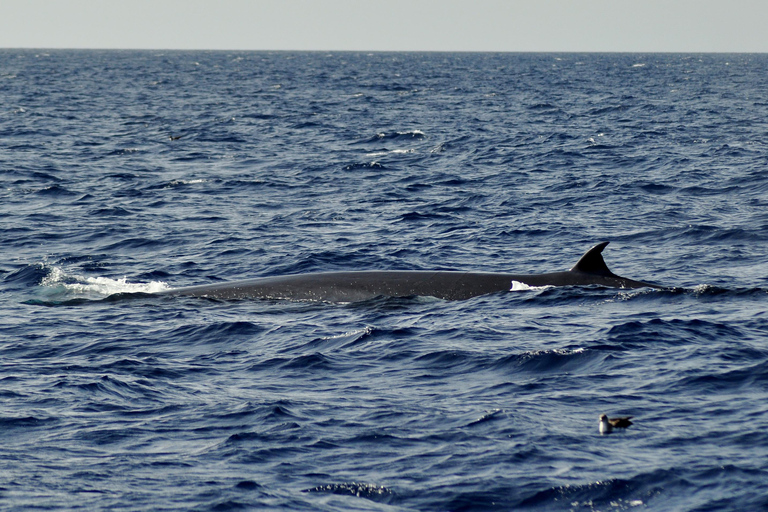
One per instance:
(367, 284)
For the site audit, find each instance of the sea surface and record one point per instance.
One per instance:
(124, 173)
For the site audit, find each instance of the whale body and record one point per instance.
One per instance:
(362, 285)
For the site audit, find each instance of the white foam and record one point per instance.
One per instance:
(390, 152)
(61, 284)
(177, 183)
(106, 286)
(357, 333)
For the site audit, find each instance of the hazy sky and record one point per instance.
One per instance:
(464, 25)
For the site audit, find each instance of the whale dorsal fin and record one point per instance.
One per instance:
(592, 262)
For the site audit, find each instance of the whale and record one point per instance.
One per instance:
(361, 285)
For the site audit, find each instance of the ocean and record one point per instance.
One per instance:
(124, 173)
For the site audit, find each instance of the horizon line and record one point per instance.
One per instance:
(83, 48)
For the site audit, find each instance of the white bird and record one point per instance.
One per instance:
(608, 424)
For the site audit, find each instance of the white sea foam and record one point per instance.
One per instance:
(390, 152)
(60, 284)
(177, 183)
(412, 133)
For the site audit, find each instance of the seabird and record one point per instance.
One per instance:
(608, 424)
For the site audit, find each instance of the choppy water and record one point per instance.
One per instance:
(125, 172)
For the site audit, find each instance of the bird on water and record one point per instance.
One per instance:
(608, 424)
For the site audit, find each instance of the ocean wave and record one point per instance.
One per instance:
(407, 135)
(373, 492)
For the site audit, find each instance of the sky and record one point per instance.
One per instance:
(389, 25)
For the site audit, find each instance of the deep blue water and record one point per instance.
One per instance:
(124, 172)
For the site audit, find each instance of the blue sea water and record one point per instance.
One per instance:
(126, 172)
